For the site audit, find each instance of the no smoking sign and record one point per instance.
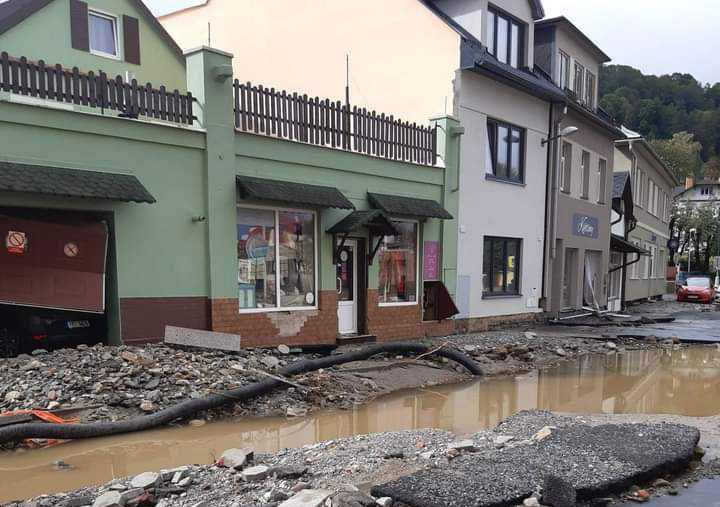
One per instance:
(16, 242)
(71, 249)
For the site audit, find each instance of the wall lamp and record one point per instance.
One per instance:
(566, 132)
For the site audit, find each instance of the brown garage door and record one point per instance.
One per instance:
(53, 264)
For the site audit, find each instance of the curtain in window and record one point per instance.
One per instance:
(102, 34)
(398, 265)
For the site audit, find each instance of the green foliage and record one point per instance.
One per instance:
(698, 230)
(660, 106)
(681, 154)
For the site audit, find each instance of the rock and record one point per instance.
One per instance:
(299, 486)
(462, 445)
(256, 473)
(661, 483)
(236, 458)
(501, 440)
(145, 480)
(543, 434)
(531, 502)
(270, 361)
(288, 471)
(129, 356)
(469, 348)
(39, 352)
(385, 501)
(642, 494)
(560, 352)
(611, 345)
(53, 405)
(296, 412)
(196, 423)
(283, 349)
(147, 406)
(350, 499)
(530, 335)
(13, 396)
(109, 499)
(699, 452)
(152, 384)
(131, 494)
(558, 492)
(307, 498)
(33, 365)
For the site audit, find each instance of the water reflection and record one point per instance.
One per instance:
(681, 382)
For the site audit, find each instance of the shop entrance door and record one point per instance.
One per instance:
(347, 288)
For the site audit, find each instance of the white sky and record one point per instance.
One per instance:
(655, 36)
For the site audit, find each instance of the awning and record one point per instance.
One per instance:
(375, 220)
(292, 193)
(64, 182)
(395, 205)
(618, 244)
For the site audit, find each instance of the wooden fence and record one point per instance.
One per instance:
(94, 90)
(332, 124)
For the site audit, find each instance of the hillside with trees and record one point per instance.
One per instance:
(679, 114)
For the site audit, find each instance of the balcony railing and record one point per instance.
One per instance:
(93, 90)
(332, 124)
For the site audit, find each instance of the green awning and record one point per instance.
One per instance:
(293, 193)
(395, 205)
(618, 244)
(374, 220)
(63, 182)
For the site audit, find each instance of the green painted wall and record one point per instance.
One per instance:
(46, 35)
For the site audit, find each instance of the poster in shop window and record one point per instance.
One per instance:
(430, 260)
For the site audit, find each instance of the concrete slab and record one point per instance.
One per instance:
(308, 498)
(203, 339)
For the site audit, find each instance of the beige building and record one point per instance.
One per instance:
(421, 58)
(652, 184)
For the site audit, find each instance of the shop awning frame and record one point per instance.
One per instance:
(289, 192)
(376, 221)
(64, 182)
(620, 244)
(395, 205)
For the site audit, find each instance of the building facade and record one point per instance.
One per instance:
(652, 184)
(578, 249)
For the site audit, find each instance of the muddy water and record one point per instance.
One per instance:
(683, 382)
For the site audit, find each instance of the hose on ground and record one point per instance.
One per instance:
(187, 408)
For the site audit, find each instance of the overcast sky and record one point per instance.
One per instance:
(656, 36)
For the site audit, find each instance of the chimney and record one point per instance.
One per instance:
(689, 183)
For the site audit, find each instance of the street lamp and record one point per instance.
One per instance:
(566, 132)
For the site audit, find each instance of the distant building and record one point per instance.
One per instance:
(697, 194)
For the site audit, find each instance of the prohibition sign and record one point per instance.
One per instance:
(15, 242)
(71, 249)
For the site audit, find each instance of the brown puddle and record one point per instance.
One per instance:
(683, 382)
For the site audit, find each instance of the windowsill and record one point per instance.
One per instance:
(249, 311)
(491, 177)
(390, 305)
(501, 296)
(105, 55)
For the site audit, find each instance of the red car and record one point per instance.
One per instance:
(700, 289)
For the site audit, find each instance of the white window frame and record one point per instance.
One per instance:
(587, 99)
(417, 267)
(564, 83)
(602, 181)
(116, 25)
(316, 262)
(635, 267)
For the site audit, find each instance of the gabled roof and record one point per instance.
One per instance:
(13, 12)
(566, 23)
(649, 150)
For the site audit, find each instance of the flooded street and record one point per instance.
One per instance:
(682, 382)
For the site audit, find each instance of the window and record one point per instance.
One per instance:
(276, 258)
(564, 77)
(635, 267)
(505, 38)
(590, 90)
(501, 266)
(506, 149)
(398, 256)
(602, 181)
(649, 262)
(579, 81)
(585, 175)
(103, 34)
(566, 175)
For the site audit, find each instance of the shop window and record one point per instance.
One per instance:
(397, 258)
(265, 236)
(501, 266)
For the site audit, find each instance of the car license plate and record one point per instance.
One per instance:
(692, 297)
(76, 324)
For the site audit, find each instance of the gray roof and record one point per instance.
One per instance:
(64, 182)
(375, 220)
(562, 20)
(620, 179)
(291, 192)
(408, 206)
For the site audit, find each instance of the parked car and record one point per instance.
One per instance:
(698, 288)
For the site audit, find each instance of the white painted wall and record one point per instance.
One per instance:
(491, 208)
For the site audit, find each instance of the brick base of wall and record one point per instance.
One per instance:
(144, 319)
(483, 324)
(269, 329)
(390, 323)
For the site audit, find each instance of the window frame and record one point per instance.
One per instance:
(579, 90)
(116, 25)
(316, 261)
(585, 161)
(518, 267)
(563, 57)
(522, 35)
(602, 180)
(566, 174)
(417, 267)
(496, 124)
(589, 92)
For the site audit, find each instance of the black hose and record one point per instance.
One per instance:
(189, 407)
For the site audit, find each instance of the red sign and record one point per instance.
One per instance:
(16, 242)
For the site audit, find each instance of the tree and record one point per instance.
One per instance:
(681, 154)
(698, 230)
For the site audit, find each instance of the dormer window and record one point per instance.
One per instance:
(505, 37)
(590, 89)
(103, 34)
(579, 81)
(564, 77)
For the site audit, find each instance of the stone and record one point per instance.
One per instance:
(147, 406)
(129, 356)
(530, 335)
(288, 471)
(661, 483)
(196, 423)
(283, 349)
(384, 501)
(236, 458)
(501, 440)
(543, 433)
(13, 396)
(270, 361)
(109, 499)
(296, 412)
(131, 494)
(558, 492)
(202, 339)
(307, 498)
(256, 473)
(531, 502)
(145, 480)
(462, 445)
(560, 352)
(350, 499)
(611, 345)
(299, 486)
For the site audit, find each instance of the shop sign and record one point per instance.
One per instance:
(16, 242)
(585, 226)
(430, 260)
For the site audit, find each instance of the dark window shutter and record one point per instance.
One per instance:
(131, 32)
(79, 32)
(438, 303)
